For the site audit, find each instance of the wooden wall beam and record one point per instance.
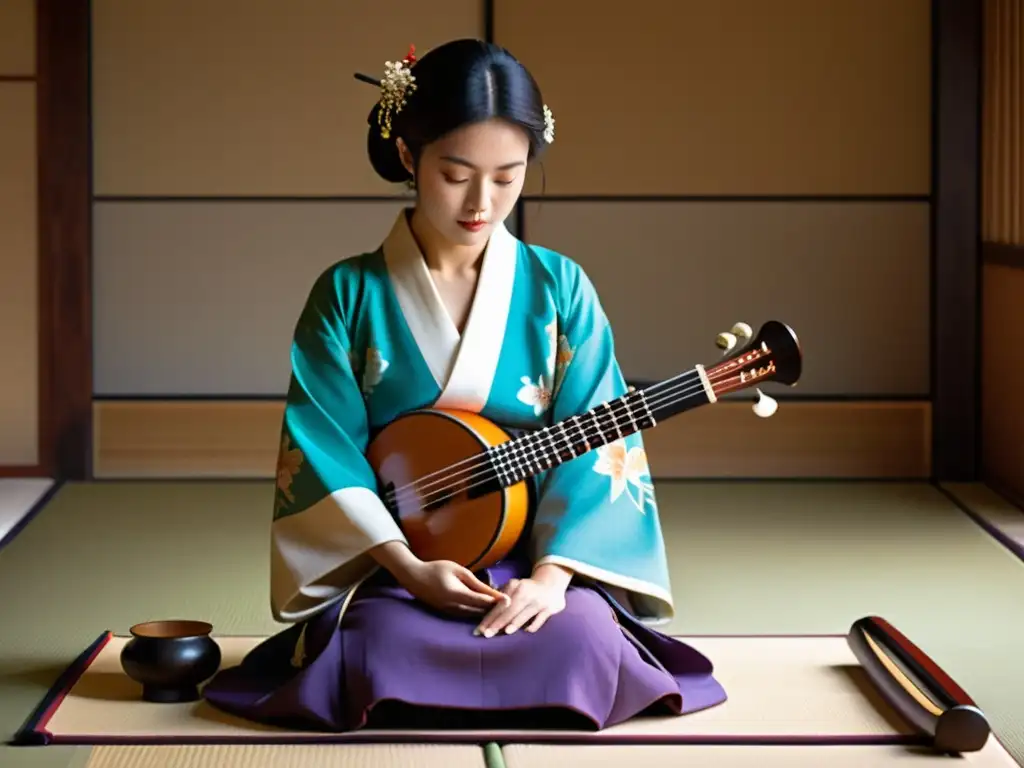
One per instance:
(65, 237)
(956, 284)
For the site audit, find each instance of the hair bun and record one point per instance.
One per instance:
(384, 156)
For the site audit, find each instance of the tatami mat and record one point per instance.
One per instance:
(292, 756)
(806, 688)
(746, 558)
(659, 756)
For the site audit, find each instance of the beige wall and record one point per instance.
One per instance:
(1003, 226)
(19, 339)
(216, 100)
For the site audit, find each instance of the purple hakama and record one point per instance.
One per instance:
(395, 663)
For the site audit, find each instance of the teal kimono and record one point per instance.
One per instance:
(375, 341)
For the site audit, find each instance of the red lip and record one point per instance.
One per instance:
(472, 226)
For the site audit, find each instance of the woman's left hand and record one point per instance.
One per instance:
(533, 600)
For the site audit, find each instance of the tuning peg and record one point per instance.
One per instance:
(726, 341)
(742, 330)
(765, 406)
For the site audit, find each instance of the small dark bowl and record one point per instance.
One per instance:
(170, 659)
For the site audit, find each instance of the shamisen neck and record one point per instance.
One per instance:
(637, 410)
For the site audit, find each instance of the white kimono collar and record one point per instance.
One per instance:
(463, 367)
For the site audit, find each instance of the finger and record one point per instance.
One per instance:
(468, 578)
(538, 621)
(516, 622)
(491, 625)
(463, 594)
(511, 587)
(492, 616)
(493, 621)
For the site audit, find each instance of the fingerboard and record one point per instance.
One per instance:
(515, 460)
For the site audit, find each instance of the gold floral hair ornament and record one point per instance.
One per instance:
(396, 86)
(549, 125)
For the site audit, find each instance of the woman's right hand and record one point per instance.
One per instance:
(450, 587)
(442, 584)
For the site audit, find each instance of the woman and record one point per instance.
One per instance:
(452, 310)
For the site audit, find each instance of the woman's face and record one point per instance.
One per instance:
(469, 181)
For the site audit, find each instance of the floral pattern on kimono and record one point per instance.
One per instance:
(541, 392)
(376, 365)
(369, 369)
(289, 463)
(625, 468)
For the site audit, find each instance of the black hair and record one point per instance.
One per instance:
(458, 83)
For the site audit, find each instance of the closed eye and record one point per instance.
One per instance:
(499, 182)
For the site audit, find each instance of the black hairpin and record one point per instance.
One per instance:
(367, 79)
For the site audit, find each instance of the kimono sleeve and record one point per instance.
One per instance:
(327, 513)
(597, 514)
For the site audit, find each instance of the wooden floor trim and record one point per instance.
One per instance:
(196, 439)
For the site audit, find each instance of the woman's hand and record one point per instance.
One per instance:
(441, 584)
(450, 587)
(533, 600)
